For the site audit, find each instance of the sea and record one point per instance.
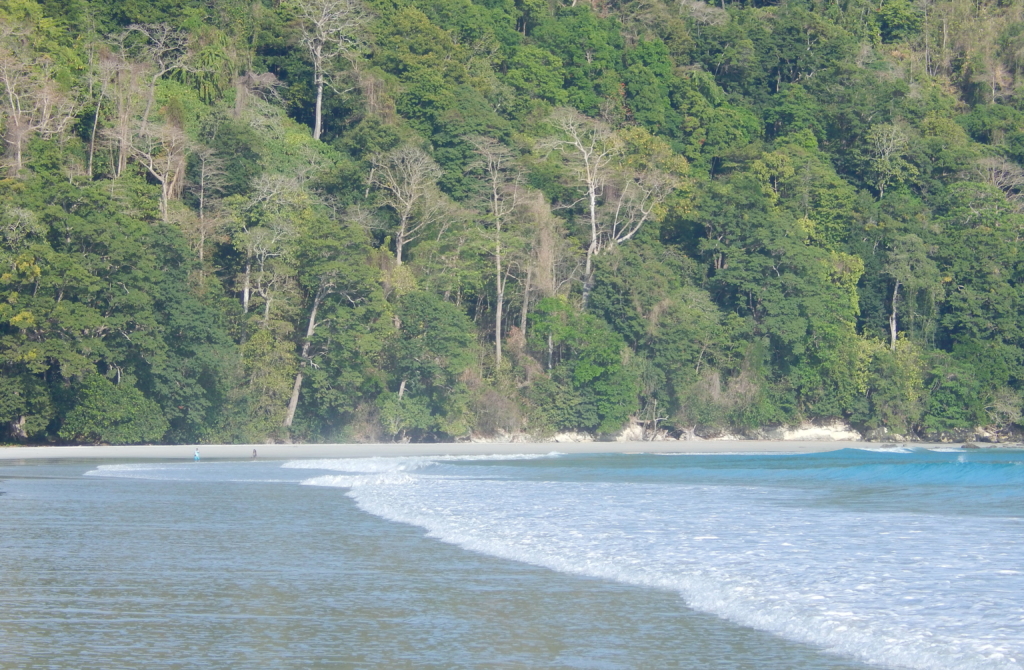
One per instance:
(906, 558)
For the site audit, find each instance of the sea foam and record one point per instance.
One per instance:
(892, 589)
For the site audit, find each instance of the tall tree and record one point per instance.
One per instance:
(406, 178)
(589, 147)
(331, 29)
(503, 180)
(33, 103)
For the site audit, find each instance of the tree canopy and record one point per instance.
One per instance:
(248, 220)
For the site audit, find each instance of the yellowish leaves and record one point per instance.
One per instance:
(771, 170)
(23, 320)
(844, 271)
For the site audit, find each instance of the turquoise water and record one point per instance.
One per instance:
(840, 560)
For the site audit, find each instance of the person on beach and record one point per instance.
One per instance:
(197, 455)
(254, 454)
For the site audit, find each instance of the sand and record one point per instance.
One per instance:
(170, 452)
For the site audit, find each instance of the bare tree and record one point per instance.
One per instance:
(101, 77)
(133, 73)
(209, 180)
(589, 148)
(162, 149)
(703, 14)
(128, 95)
(273, 193)
(252, 85)
(200, 231)
(207, 184)
(622, 187)
(1004, 175)
(504, 179)
(639, 193)
(273, 198)
(889, 145)
(331, 29)
(33, 103)
(551, 264)
(17, 224)
(407, 180)
(166, 49)
(265, 244)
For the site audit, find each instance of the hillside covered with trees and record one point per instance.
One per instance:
(333, 220)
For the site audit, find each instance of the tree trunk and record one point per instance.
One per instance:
(526, 301)
(319, 107)
(165, 196)
(499, 298)
(892, 318)
(399, 243)
(18, 429)
(294, 401)
(245, 288)
(310, 329)
(122, 156)
(592, 249)
(92, 135)
(588, 272)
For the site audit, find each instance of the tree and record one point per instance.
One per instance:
(911, 269)
(589, 386)
(624, 178)
(33, 103)
(331, 255)
(889, 146)
(330, 29)
(589, 148)
(432, 347)
(113, 414)
(206, 183)
(406, 178)
(504, 183)
(162, 149)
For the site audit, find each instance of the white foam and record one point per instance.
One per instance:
(890, 450)
(934, 599)
(367, 465)
(191, 471)
(402, 463)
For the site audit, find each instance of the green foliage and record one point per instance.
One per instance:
(590, 385)
(424, 361)
(899, 20)
(112, 414)
(828, 199)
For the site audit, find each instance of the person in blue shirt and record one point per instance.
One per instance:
(197, 455)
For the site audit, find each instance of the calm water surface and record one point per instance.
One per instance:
(846, 560)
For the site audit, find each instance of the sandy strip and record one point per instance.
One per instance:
(288, 451)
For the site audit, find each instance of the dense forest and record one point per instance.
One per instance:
(372, 220)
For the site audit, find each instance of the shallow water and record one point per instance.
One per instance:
(814, 561)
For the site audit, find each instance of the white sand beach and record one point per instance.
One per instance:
(288, 451)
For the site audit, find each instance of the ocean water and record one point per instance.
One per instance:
(848, 559)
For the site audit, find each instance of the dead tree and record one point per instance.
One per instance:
(33, 103)
(331, 29)
(406, 178)
(589, 148)
(162, 149)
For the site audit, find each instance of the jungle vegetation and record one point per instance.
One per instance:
(340, 220)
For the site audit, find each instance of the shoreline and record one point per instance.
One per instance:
(184, 452)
